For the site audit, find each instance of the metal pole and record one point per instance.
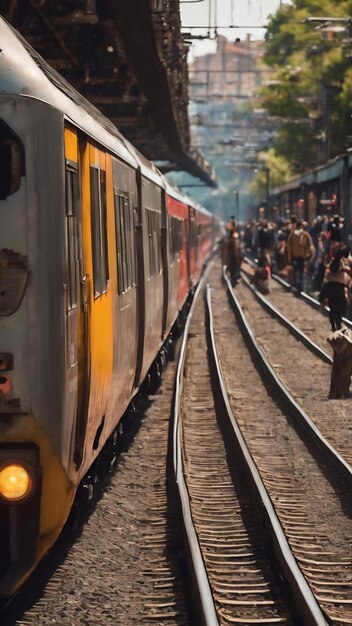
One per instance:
(267, 171)
(237, 204)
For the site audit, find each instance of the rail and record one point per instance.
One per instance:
(206, 607)
(281, 391)
(294, 330)
(313, 302)
(301, 594)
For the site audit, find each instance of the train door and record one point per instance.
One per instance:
(94, 311)
(96, 183)
(164, 260)
(77, 375)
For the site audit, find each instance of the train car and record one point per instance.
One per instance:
(178, 218)
(327, 188)
(95, 267)
(206, 230)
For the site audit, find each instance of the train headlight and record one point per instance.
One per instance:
(15, 482)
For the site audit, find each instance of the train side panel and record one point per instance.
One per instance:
(192, 248)
(150, 295)
(124, 289)
(178, 269)
(205, 237)
(34, 424)
(83, 308)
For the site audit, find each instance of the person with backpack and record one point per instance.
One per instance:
(300, 249)
(335, 288)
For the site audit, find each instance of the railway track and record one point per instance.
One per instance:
(309, 381)
(306, 297)
(282, 319)
(303, 296)
(260, 550)
(310, 494)
(228, 542)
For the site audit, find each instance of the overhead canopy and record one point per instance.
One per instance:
(126, 57)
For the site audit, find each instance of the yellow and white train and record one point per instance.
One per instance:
(97, 256)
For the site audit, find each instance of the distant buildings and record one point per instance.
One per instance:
(231, 72)
(225, 125)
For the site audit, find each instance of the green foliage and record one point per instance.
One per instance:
(312, 90)
(280, 172)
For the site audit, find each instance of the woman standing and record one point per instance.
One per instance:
(335, 288)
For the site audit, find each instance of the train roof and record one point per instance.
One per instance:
(175, 192)
(179, 195)
(148, 168)
(319, 174)
(204, 212)
(24, 72)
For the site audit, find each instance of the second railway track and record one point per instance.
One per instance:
(311, 498)
(306, 375)
(230, 535)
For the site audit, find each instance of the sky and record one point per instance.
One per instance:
(243, 13)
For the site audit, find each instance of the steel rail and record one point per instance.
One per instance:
(294, 330)
(313, 302)
(303, 599)
(207, 611)
(281, 392)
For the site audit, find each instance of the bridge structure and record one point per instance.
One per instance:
(128, 58)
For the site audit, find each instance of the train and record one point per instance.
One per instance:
(98, 256)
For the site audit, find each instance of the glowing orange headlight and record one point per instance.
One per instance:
(15, 482)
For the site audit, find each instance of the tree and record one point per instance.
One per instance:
(279, 169)
(313, 87)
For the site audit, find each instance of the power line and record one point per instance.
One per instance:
(227, 26)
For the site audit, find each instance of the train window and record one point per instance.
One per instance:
(183, 232)
(99, 230)
(11, 161)
(192, 230)
(124, 231)
(156, 242)
(128, 250)
(72, 199)
(95, 225)
(118, 201)
(153, 227)
(178, 237)
(104, 232)
(150, 241)
(175, 237)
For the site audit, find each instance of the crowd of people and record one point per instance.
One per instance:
(296, 247)
(313, 257)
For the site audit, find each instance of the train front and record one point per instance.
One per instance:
(37, 474)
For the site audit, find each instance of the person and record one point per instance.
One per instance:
(260, 278)
(335, 289)
(233, 253)
(265, 239)
(280, 246)
(300, 249)
(315, 230)
(320, 263)
(341, 371)
(248, 235)
(335, 234)
(230, 225)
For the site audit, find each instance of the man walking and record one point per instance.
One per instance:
(300, 248)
